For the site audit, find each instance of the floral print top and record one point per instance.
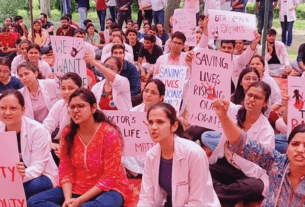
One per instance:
(277, 165)
(96, 164)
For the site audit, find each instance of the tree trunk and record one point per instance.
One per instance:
(171, 6)
(45, 7)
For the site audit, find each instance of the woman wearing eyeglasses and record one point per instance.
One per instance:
(36, 166)
(6, 80)
(90, 170)
(230, 171)
(112, 93)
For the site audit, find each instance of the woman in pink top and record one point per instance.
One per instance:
(90, 170)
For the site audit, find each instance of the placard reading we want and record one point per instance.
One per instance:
(296, 109)
(134, 129)
(69, 55)
(211, 80)
(11, 188)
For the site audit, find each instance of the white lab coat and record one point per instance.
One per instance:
(191, 179)
(140, 107)
(120, 92)
(58, 117)
(48, 89)
(284, 8)
(262, 132)
(36, 151)
(280, 50)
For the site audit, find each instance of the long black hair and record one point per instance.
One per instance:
(298, 129)
(74, 77)
(30, 66)
(171, 114)
(160, 85)
(239, 95)
(15, 93)
(87, 96)
(242, 112)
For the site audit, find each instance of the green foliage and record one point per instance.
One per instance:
(10, 8)
(300, 11)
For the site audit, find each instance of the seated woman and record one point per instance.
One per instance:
(93, 38)
(230, 171)
(109, 22)
(6, 80)
(58, 116)
(39, 95)
(23, 46)
(36, 166)
(33, 54)
(112, 93)
(118, 40)
(7, 42)
(162, 34)
(153, 93)
(90, 170)
(176, 169)
(239, 47)
(40, 37)
(286, 171)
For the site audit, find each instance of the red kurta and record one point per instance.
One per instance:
(96, 164)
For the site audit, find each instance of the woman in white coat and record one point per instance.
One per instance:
(36, 166)
(287, 17)
(176, 170)
(39, 95)
(112, 93)
(58, 117)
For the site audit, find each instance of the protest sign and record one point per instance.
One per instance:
(185, 22)
(226, 25)
(192, 4)
(211, 79)
(134, 129)
(296, 109)
(11, 188)
(173, 77)
(69, 55)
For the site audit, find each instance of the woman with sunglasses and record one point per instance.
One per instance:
(112, 93)
(90, 170)
(36, 166)
(233, 172)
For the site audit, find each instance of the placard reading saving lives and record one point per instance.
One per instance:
(173, 77)
(226, 25)
(211, 79)
(296, 109)
(69, 55)
(134, 129)
(185, 22)
(11, 188)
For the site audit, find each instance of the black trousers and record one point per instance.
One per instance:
(123, 15)
(148, 15)
(232, 185)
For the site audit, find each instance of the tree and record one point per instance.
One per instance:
(9, 8)
(171, 6)
(45, 7)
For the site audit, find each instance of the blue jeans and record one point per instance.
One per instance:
(113, 12)
(210, 139)
(158, 16)
(101, 15)
(83, 15)
(287, 27)
(66, 6)
(37, 185)
(281, 143)
(260, 20)
(55, 198)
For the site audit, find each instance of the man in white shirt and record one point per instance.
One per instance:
(276, 55)
(158, 7)
(153, 30)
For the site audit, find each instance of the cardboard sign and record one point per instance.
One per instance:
(11, 188)
(133, 127)
(185, 22)
(211, 79)
(226, 25)
(173, 77)
(296, 109)
(69, 55)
